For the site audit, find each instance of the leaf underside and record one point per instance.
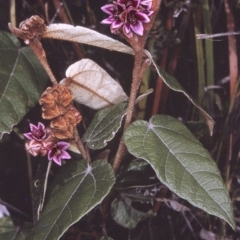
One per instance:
(181, 163)
(85, 35)
(22, 80)
(93, 86)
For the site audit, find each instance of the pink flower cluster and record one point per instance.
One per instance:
(41, 142)
(128, 16)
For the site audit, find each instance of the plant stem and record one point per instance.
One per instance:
(37, 48)
(80, 145)
(45, 186)
(134, 90)
(137, 44)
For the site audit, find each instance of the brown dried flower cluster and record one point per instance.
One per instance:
(32, 27)
(57, 106)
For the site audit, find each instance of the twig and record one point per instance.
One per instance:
(80, 145)
(233, 59)
(37, 48)
(137, 44)
(45, 185)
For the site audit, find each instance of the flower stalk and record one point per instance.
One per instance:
(31, 31)
(137, 43)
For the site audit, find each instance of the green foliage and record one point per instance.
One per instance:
(78, 188)
(124, 214)
(104, 126)
(181, 163)
(22, 80)
(7, 229)
(172, 83)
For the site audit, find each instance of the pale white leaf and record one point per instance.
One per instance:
(93, 86)
(85, 35)
(3, 211)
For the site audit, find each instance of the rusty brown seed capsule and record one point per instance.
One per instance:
(55, 101)
(32, 27)
(57, 106)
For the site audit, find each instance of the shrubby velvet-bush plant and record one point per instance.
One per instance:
(162, 148)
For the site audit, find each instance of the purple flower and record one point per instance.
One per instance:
(57, 152)
(33, 147)
(37, 132)
(128, 16)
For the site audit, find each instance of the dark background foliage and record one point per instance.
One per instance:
(168, 223)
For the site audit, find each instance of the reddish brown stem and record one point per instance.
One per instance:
(137, 44)
(134, 90)
(37, 48)
(80, 145)
(233, 59)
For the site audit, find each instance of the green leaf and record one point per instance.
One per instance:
(104, 126)
(80, 187)
(172, 83)
(22, 80)
(125, 215)
(7, 229)
(181, 163)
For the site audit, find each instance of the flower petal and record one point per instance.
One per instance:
(63, 145)
(107, 20)
(33, 147)
(137, 28)
(146, 2)
(108, 8)
(41, 126)
(116, 25)
(33, 127)
(28, 135)
(57, 160)
(142, 17)
(65, 155)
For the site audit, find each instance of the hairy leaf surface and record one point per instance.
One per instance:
(181, 163)
(93, 86)
(22, 80)
(85, 35)
(80, 187)
(104, 126)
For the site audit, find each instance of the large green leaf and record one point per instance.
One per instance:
(181, 163)
(104, 126)
(22, 80)
(80, 187)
